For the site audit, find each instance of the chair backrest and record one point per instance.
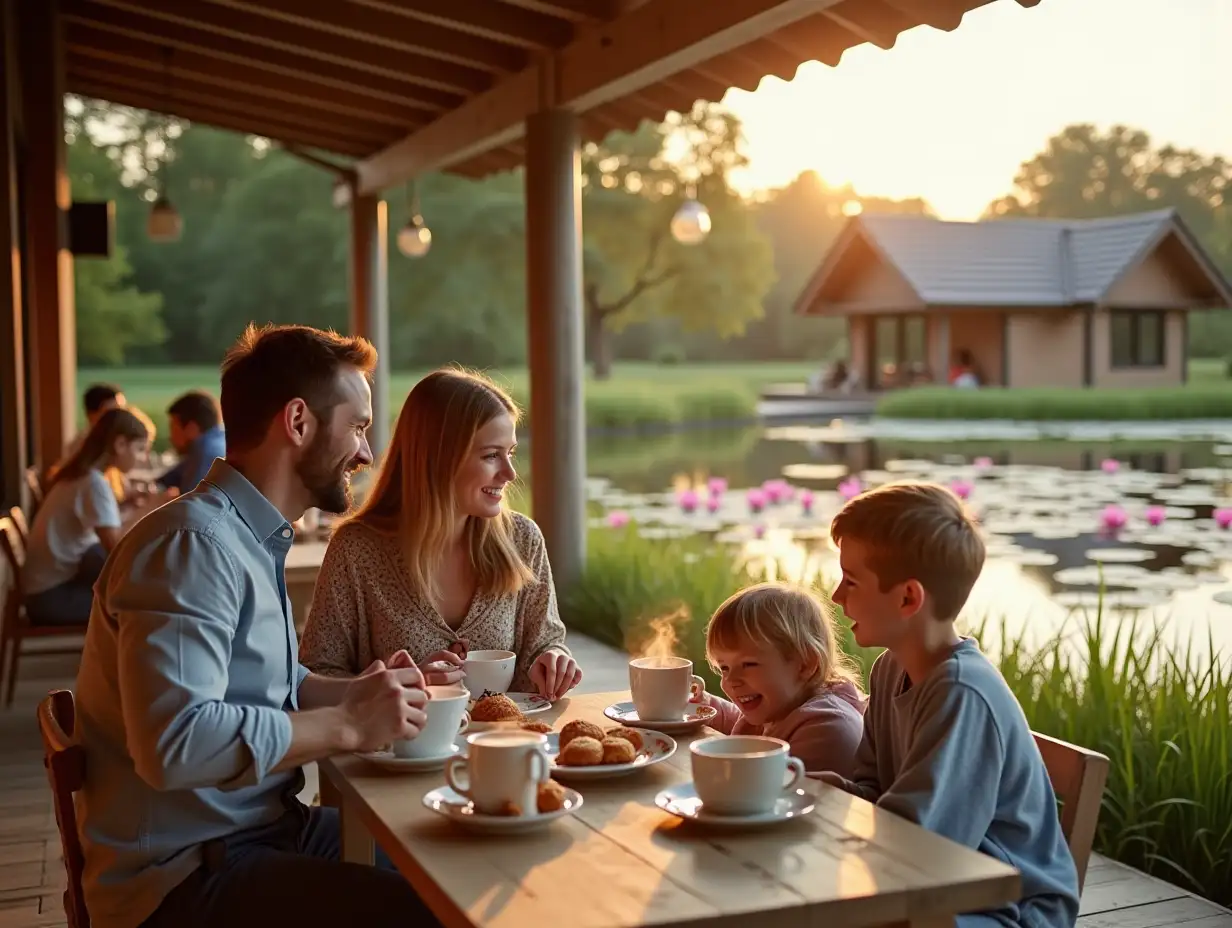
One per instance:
(14, 553)
(35, 483)
(1078, 776)
(19, 521)
(65, 761)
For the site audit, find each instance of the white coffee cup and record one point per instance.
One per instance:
(447, 716)
(661, 687)
(501, 769)
(488, 670)
(742, 774)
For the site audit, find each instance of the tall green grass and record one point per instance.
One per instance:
(1163, 719)
(1206, 400)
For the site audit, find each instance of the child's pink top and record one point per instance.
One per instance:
(823, 732)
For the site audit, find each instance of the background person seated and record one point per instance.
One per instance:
(196, 434)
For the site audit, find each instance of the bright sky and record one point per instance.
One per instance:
(949, 116)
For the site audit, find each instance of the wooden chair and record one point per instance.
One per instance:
(65, 761)
(1078, 776)
(15, 625)
(34, 482)
(23, 527)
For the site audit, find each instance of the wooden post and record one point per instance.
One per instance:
(555, 331)
(370, 301)
(52, 330)
(13, 447)
(942, 374)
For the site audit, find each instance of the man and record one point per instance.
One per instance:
(193, 711)
(97, 399)
(196, 434)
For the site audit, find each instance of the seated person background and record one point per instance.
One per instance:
(79, 520)
(196, 434)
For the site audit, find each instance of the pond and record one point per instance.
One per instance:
(1143, 509)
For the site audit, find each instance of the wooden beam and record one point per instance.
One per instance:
(654, 41)
(91, 47)
(230, 24)
(528, 29)
(161, 98)
(380, 27)
(302, 69)
(223, 119)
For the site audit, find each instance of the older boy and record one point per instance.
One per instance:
(945, 742)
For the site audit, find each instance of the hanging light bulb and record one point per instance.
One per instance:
(164, 223)
(414, 238)
(691, 224)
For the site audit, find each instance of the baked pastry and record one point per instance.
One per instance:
(578, 729)
(581, 751)
(496, 707)
(618, 751)
(632, 736)
(551, 796)
(539, 728)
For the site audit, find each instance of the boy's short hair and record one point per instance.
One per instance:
(271, 365)
(98, 395)
(197, 406)
(916, 531)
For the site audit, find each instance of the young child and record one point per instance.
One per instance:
(945, 742)
(775, 648)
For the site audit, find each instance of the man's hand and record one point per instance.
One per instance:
(384, 704)
(442, 668)
(554, 674)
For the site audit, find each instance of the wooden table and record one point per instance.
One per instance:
(621, 862)
(303, 564)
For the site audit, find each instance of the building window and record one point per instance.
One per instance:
(1137, 338)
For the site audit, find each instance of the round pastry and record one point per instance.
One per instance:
(541, 728)
(577, 729)
(633, 737)
(582, 751)
(551, 796)
(496, 707)
(618, 751)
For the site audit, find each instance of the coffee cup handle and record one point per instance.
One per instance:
(452, 766)
(795, 767)
(537, 767)
(697, 686)
(465, 722)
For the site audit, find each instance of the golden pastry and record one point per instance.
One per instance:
(633, 737)
(582, 751)
(551, 796)
(618, 751)
(578, 729)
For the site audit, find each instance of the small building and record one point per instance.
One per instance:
(1032, 302)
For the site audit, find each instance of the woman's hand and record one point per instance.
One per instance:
(442, 668)
(554, 674)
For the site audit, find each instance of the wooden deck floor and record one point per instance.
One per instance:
(32, 876)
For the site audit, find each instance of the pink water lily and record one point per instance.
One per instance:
(1155, 515)
(617, 518)
(850, 488)
(962, 488)
(1223, 518)
(982, 463)
(717, 486)
(756, 499)
(688, 500)
(1110, 465)
(775, 490)
(713, 503)
(1114, 517)
(759, 531)
(806, 501)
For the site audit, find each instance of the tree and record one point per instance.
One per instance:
(633, 269)
(1083, 173)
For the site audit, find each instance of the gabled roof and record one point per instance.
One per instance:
(1013, 262)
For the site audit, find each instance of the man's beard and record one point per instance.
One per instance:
(326, 481)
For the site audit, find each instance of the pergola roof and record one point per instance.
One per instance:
(405, 86)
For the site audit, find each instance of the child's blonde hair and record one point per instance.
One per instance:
(789, 618)
(916, 531)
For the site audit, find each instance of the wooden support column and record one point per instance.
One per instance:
(13, 447)
(554, 337)
(370, 302)
(941, 370)
(52, 319)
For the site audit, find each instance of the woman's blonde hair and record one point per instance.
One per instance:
(413, 496)
(127, 422)
(789, 618)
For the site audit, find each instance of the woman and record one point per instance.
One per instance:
(79, 520)
(434, 562)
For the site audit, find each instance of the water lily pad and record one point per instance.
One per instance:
(1223, 597)
(815, 471)
(1119, 555)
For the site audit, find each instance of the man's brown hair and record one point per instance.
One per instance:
(916, 531)
(196, 406)
(273, 364)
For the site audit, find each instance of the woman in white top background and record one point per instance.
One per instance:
(79, 520)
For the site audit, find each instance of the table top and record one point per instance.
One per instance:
(620, 861)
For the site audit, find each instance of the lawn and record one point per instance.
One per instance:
(637, 395)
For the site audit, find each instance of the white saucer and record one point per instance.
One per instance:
(386, 760)
(681, 800)
(695, 716)
(656, 748)
(457, 808)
